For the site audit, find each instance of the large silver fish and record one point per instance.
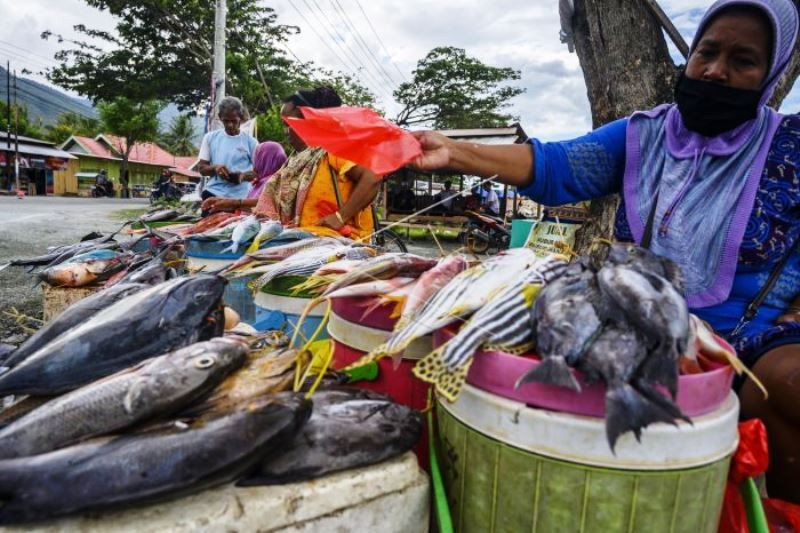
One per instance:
(146, 467)
(148, 323)
(159, 386)
(348, 428)
(72, 317)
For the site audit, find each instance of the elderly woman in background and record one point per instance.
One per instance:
(315, 190)
(268, 158)
(711, 182)
(227, 154)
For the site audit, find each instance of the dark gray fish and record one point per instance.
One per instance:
(62, 253)
(348, 428)
(566, 322)
(614, 358)
(643, 261)
(146, 467)
(149, 323)
(655, 308)
(157, 387)
(71, 317)
(158, 216)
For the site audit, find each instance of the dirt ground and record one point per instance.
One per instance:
(27, 228)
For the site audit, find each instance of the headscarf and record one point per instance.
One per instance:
(267, 159)
(284, 196)
(700, 190)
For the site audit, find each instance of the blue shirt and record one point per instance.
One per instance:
(233, 151)
(593, 165)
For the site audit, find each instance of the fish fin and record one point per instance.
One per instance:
(628, 410)
(135, 396)
(254, 246)
(231, 248)
(529, 293)
(661, 369)
(375, 355)
(649, 391)
(514, 350)
(551, 371)
(448, 381)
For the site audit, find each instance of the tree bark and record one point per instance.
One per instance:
(627, 67)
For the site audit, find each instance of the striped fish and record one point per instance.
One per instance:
(504, 323)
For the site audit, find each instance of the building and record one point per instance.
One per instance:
(104, 152)
(39, 161)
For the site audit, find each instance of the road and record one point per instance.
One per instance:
(29, 226)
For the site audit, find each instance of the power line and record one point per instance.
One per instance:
(15, 58)
(53, 105)
(28, 52)
(377, 36)
(360, 41)
(333, 37)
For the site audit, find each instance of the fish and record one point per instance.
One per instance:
(654, 306)
(278, 253)
(614, 358)
(370, 288)
(72, 317)
(159, 215)
(211, 221)
(430, 283)
(101, 253)
(348, 428)
(156, 387)
(264, 372)
(643, 260)
(242, 233)
(504, 323)
(566, 323)
(148, 323)
(384, 266)
(463, 295)
(81, 274)
(22, 406)
(118, 472)
(62, 253)
(305, 262)
(269, 230)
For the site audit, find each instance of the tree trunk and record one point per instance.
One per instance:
(627, 67)
(123, 173)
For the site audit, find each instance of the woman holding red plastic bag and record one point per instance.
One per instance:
(316, 190)
(713, 183)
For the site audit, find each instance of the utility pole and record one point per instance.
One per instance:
(218, 78)
(8, 124)
(20, 193)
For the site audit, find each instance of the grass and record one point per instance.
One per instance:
(129, 214)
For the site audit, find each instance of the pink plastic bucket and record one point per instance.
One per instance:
(496, 372)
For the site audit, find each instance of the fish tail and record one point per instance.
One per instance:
(375, 355)
(628, 410)
(662, 369)
(649, 391)
(231, 248)
(448, 381)
(254, 246)
(551, 371)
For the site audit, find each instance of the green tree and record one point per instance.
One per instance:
(163, 49)
(26, 126)
(69, 124)
(453, 90)
(178, 138)
(133, 122)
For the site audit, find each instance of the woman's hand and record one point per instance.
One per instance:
(331, 221)
(215, 205)
(435, 150)
(221, 171)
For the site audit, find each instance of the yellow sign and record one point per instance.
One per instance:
(545, 238)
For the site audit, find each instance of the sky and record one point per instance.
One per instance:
(392, 36)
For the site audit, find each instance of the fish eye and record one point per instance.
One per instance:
(204, 362)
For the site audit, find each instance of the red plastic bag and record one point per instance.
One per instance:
(783, 517)
(752, 456)
(357, 134)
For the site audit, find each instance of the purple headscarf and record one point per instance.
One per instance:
(268, 158)
(702, 189)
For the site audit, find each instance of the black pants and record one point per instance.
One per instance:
(205, 195)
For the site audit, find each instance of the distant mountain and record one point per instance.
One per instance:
(43, 102)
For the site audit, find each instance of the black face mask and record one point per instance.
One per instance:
(709, 108)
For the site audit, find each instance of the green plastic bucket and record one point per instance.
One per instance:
(494, 487)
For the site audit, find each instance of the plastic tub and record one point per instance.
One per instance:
(278, 306)
(508, 467)
(209, 256)
(497, 372)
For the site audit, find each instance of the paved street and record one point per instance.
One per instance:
(29, 226)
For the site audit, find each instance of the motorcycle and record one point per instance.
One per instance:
(102, 190)
(483, 233)
(168, 191)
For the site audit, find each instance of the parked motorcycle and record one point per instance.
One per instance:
(485, 234)
(168, 191)
(103, 190)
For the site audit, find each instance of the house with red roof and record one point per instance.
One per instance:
(146, 162)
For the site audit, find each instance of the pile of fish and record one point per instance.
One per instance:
(127, 394)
